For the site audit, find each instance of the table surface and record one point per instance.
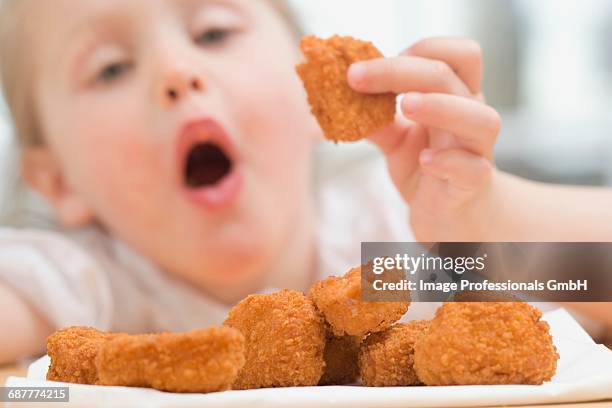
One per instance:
(20, 371)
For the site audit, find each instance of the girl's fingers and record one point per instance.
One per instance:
(475, 126)
(405, 74)
(459, 168)
(391, 137)
(463, 55)
(402, 143)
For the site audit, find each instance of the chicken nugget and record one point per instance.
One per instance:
(73, 353)
(285, 338)
(386, 358)
(203, 360)
(343, 113)
(472, 343)
(340, 356)
(339, 300)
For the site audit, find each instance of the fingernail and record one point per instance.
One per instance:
(356, 74)
(426, 156)
(412, 103)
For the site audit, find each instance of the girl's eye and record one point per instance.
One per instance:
(212, 36)
(113, 71)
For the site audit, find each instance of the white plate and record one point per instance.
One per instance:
(584, 373)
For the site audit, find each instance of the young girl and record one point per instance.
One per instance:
(173, 142)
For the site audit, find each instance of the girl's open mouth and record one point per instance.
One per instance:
(208, 171)
(207, 164)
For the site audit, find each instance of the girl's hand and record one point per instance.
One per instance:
(440, 151)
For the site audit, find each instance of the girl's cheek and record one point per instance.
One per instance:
(114, 154)
(130, 160)
(124, 184)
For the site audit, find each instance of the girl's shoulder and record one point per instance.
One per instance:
(87, 277)
(56, 275)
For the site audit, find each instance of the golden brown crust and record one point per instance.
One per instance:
(203, 360)
(387, 358)
(73, 353)
(285, 338)
(339, 300)
(342, 113)
(486, 343)
(340, 360)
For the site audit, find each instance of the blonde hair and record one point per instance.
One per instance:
(15, 70)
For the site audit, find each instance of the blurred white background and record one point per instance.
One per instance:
(548, 70)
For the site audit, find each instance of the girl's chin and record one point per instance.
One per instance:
(230, 285)
(234, 263)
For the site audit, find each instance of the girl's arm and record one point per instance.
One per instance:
(598, 311)
(529, 211)
(24, 332)
(523, 210)
(440, 157)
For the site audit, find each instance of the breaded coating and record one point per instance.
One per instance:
(386, 359)
(203, 360)
(340, 356)
(339, 300)
(486, 343)
(342, 113)
(285, 338)
(73, 353)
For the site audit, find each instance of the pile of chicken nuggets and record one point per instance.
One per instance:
(329, 336)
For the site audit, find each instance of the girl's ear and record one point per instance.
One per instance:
(42, 172)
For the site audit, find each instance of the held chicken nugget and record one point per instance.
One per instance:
(339, 300)
(342, 113)
(472, 343)
(386, 359)
(285, 338)
(203, 360)
(340, 356)
(73, 353)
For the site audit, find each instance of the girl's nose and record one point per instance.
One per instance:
(178, 85)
